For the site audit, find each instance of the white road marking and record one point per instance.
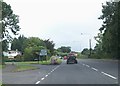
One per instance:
(101, 72)
(87, 65)
(109, 75)
(37, 82)
(46, 75)
(51, 71)
(94, 69)
(83, 64)
(42, 78)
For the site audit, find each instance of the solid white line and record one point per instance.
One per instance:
(94, 69)
(37, 82)
(42, 78)
(109, 75)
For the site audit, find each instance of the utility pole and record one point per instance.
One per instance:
(90, 47)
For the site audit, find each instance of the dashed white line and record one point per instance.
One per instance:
(109, 75)
(51, 71)
(42, 78)
(37, 82)
(46, 75)
(94, 69)
(83, 64)
(87, 65)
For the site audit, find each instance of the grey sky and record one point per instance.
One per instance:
(62, 21)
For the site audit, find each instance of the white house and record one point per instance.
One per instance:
(11, 54)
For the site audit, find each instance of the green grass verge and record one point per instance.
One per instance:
(23, 66)
(2, 66)
(45, 62)
(48, 62)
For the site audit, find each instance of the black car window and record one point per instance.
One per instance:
(72, 57)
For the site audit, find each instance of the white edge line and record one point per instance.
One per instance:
(109, 75)
(37, 82)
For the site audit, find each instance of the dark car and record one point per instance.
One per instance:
(72, 60)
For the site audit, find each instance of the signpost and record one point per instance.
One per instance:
(43, 53)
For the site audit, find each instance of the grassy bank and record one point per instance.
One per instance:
(2, 66)
(48, 62)
(22, 66)
(0, 84)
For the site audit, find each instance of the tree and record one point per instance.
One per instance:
(34, 41)
(4, 45)
(19, 43)
(8, 24)
(33, 47)
(64, 49)
(110, 39)
(85, 51)
(49, 45)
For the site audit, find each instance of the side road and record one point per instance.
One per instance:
(9, 68)
(25, 77)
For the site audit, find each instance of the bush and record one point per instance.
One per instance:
(55, 60)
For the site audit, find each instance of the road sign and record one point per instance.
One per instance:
(43, 52)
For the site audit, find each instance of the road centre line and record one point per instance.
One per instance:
(109, 75)
(94, 69)
(37, 82)
(83, 64)
(42, 78)
(87, 65)
(47, 75)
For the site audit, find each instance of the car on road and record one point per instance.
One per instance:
(72, 60)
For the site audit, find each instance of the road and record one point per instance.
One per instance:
(87, 71)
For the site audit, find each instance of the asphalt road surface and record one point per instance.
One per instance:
(87, 71)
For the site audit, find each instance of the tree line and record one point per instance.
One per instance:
(108, 38)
